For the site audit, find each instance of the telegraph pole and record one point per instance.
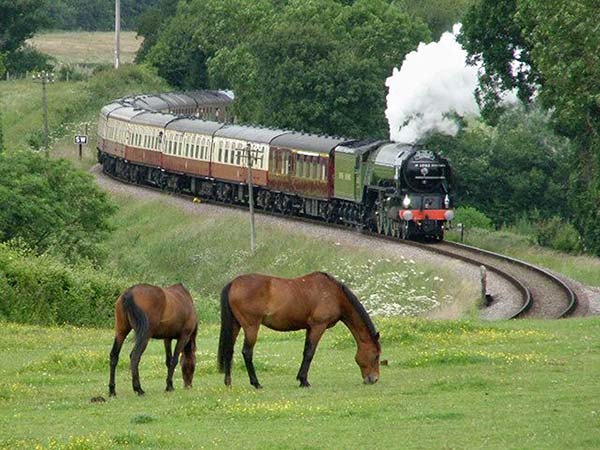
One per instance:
(45, 78)
(117, 33)
(251, 199)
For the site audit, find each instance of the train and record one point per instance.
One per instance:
(190, 143)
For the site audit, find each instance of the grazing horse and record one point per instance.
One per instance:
(313, 302)
(160, 313)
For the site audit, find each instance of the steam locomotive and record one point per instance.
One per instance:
(188, 142)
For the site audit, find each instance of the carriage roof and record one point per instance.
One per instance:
(252, 134)
(191, 125)
(307, 142)
(153, 119)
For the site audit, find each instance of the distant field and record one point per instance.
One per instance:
(86, 47)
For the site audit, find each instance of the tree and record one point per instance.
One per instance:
(319, 66)
(51, 206)
(517, 169)
(201, 28)
(439, 15)
(19, 20)
(494, 39)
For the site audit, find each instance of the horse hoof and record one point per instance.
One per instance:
(169, 389)
(112, 394)
(140, 392)
(258, 386)
(305, 385)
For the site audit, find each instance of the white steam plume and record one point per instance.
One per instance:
(434, 81)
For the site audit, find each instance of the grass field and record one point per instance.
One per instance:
(89, 48)
(448, 385)
(157, 242)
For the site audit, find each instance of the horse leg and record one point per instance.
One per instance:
(114, 359)
(140, 345)
(228, 361)
(181, 342)
(250, 335)
(313, 335)
(168, 357)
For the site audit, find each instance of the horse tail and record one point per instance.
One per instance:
(226, 343)
(190, 347)
(137, 318)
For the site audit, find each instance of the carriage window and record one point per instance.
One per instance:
(220, 150)
(187, 150)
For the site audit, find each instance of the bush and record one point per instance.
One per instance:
(472, 218)
(42, 290)
(558, 235)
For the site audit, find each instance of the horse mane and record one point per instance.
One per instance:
(358, 307)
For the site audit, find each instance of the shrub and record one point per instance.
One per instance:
(42, 290)
(559, 235)
(472, 218)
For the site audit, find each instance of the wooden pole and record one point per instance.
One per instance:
(251, 200)
(45, 111)
(483, 275)
(117, 33)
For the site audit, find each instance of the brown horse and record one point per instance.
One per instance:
(313, 302)
(154, 312)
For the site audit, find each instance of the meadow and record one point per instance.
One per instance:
(89, 48)
(447, 385)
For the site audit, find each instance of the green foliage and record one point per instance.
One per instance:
(52, 206)
(19, 20)
(490, 35)
(511, 170)
(472, 218)
(559, 235)
(43, 290)
(315, 66)
(151, 23)
(439, 15)
(558, 43)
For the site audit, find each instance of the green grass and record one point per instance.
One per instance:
(71, 107)
(520, 384)
(159, 243)
(583, 268)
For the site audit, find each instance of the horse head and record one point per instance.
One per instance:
(367, 358)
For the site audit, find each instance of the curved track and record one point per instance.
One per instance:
(542, 295)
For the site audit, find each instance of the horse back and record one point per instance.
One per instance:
(286, 303)
(167, 310)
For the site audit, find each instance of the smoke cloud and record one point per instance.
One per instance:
(434, 82)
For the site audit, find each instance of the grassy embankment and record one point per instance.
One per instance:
(512, 385)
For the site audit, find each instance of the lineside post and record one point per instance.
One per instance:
(251, 199)
(483, 275)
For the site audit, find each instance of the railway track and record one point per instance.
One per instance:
(542, 295)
